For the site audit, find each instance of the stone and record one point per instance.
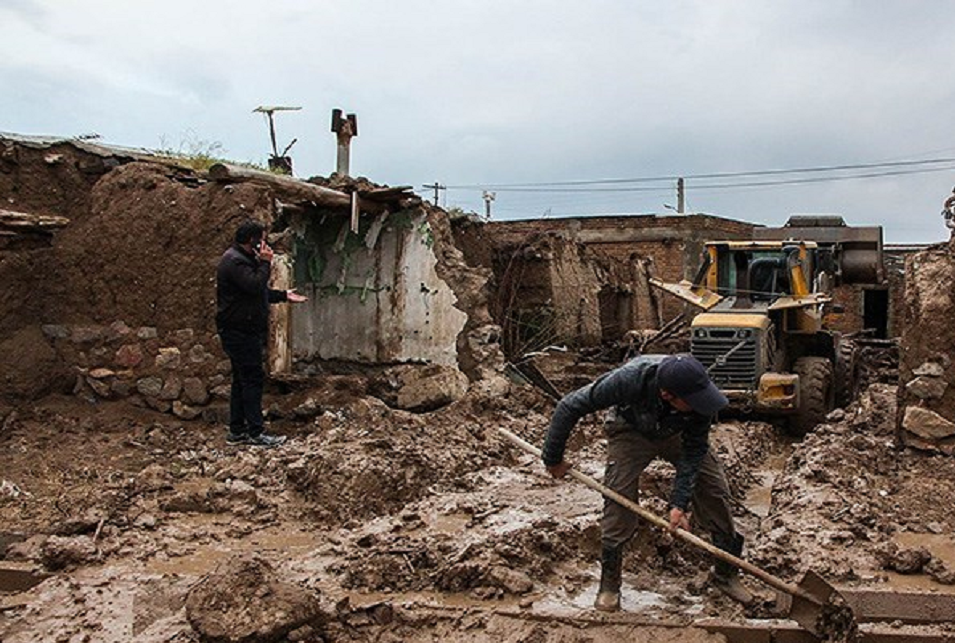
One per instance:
(153, 478)
(163, 406)
(216, 414)
(510, 580)
(932, 369)
(55, 331)
(430, 387)
(194, 391)
(926, 387)
(128, 356)
(147, 332)
(117, 331)
(171, 388)
(224, 366)
(927, 424)
(242, 491)
(121, 388)
(86, 334)
(149, 386)
(169, 358)
(198, 354)
(244, 600)
(101, 373)
(60, 553)
(99, 356)
(184, 337)
(222, 391)
(184, 411)
(100, 387)
(307, 409)
(145, 521)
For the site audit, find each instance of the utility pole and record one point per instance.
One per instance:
(437, 187)
(488, 198)
(680, 196)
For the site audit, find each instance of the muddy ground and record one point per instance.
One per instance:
(373, 524)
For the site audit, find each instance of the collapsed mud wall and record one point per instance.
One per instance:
(121, 303)
(549, 288)
(927, 354)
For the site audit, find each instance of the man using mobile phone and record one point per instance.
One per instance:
(243, 297)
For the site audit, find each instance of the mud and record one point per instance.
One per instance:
(389, 525)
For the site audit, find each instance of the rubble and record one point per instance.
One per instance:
(394, 512)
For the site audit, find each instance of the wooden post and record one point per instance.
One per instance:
(280, 319)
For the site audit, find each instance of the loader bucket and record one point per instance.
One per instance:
(857, 251)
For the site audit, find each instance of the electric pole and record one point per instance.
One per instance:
(488, 198)
(437, 187)
(680, 196)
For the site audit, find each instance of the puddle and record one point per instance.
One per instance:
(205, 559)
(759, 498)
(941, 546)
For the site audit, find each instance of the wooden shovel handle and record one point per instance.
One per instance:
(652, 518)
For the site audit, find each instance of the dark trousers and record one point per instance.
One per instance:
(248, 380)
(628, 454)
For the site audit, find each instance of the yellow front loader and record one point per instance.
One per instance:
(761, 332)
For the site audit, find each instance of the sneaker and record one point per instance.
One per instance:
(266, 440)
(236, 438)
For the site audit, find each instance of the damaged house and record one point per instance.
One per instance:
(107, 267)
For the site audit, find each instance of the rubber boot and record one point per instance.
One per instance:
(611, 568)
(726, 576)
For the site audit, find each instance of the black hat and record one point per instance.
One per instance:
(684, 376)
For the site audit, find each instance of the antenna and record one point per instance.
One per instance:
(279, 162)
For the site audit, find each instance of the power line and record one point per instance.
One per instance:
(582, 189)
(711, 175)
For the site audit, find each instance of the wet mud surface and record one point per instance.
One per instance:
(373, 524)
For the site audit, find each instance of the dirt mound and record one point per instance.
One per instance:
(244, 601)
(848, 490)
(370, 459)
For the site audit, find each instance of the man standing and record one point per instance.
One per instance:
(242, 320)
(662, 406)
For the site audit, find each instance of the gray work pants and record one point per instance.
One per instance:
(628, 454)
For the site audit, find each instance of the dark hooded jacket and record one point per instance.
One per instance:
(243, 294)
(634, 395)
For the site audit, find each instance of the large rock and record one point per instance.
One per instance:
(243, 601)
(431, 387)
(29, 367)
(927, 424)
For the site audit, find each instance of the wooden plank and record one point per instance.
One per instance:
(280, 319)
(291, 189)
(12, 223)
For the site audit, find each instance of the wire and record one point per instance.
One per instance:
(712, 175)
(713, 186)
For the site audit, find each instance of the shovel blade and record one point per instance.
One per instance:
(820, 609)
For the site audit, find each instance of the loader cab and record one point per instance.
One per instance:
(759, 273)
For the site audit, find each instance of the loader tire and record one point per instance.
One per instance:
(844, 384)
(815, 394)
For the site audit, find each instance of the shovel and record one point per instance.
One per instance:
(815, 604)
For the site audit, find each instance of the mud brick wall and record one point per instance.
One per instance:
(927, 352)
(674, 244)
(180, 371)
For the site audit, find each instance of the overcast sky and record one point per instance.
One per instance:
(488, 93)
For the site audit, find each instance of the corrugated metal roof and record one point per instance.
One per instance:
(100, 149)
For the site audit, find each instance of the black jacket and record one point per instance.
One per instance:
(633, 392)
(243, 294)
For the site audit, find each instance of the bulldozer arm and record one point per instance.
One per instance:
(685, 290)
